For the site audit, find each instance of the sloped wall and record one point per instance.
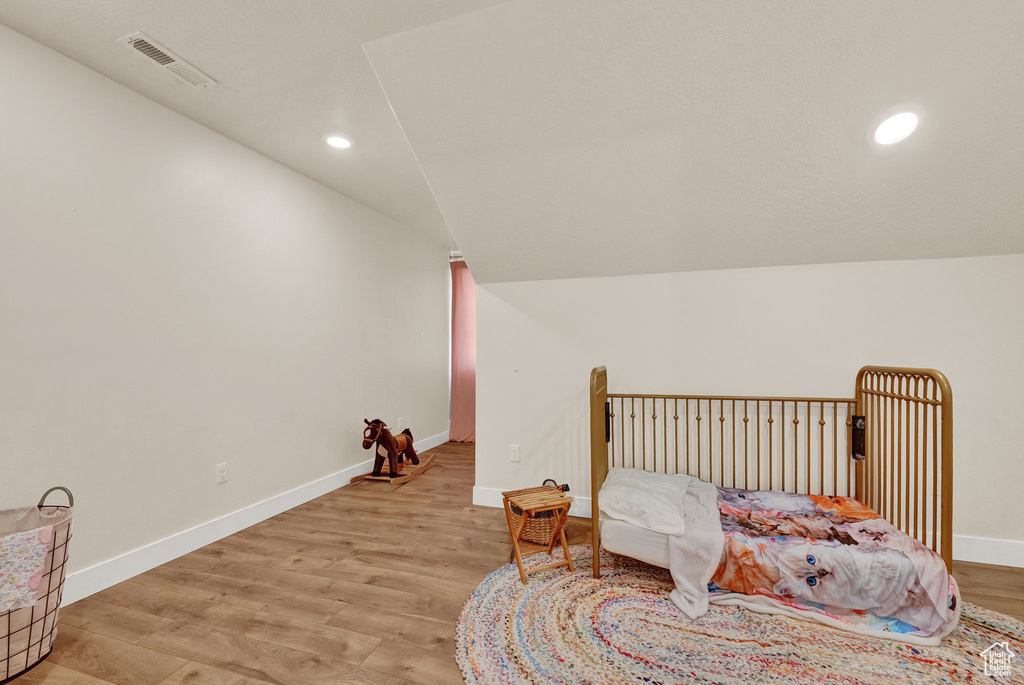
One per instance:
(794, 331)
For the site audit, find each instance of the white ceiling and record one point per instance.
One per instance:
(603, 137)
(288, 73)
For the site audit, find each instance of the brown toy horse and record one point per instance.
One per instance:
(394, 446)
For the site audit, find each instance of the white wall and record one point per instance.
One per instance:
(793, 331)
(170, 300)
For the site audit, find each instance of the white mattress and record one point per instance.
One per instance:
(632, 541)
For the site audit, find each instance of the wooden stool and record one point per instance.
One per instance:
(531, 502)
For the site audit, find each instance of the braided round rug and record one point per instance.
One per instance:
(571, 628)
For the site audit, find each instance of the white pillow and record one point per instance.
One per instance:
(649, 500)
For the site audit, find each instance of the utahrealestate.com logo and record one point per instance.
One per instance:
(998, 658)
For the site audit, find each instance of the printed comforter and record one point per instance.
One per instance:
(827, 559)
(830, 559)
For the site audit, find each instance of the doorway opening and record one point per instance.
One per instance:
(462, 427)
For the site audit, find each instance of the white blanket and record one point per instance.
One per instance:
(682, 507)
(694, 556)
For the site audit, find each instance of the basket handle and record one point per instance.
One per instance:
(563, 488)
(71, 498)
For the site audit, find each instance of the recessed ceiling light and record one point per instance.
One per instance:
(896, 128)
(339, 142)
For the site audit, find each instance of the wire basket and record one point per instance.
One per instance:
(27, 633)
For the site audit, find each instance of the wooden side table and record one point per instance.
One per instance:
(532, 501)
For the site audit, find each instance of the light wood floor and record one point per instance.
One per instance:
(361, 586)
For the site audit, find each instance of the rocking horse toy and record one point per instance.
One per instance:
(395, 448)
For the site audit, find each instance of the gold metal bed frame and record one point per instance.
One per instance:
(899, 425)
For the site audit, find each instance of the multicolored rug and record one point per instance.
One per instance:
(572, 629)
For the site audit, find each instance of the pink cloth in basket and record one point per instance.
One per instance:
(22, 560)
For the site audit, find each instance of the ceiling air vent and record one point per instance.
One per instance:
(162, 57)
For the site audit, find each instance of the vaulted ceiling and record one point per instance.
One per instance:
(603, 137)
(289, 73)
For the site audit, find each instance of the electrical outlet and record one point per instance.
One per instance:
(513, 453)
(423, 338)
(401, 424)
(222, 473)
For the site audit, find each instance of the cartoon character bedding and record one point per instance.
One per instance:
(827, 559)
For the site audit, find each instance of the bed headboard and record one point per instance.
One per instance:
(795, 444)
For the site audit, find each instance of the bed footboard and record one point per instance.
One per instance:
(599, 436)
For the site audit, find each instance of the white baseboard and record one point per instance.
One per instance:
(88, 581)
(988, 551)
(491, 497)
(965, 548)
(431, 442)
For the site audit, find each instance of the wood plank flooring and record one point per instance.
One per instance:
(361, 586)
(1000, 588)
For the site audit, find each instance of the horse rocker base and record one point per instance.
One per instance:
(407, 474)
